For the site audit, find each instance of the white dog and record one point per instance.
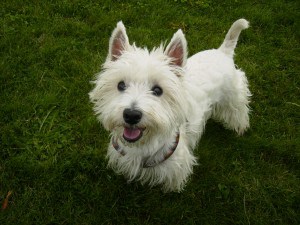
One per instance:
(156, 103)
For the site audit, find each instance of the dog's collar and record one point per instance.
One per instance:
(150, 162)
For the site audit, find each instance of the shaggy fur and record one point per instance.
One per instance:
(166, 94)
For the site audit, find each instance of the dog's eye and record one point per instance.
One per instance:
(157, 91)
(121, 86)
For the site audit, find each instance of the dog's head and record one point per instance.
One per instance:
(139, 93)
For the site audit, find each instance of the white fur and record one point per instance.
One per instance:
(195, 89)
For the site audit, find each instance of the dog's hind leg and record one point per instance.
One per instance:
(233, 109)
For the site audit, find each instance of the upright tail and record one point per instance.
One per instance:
(232, 36)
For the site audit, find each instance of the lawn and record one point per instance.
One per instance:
(52, 149)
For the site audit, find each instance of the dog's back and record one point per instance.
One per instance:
(212, 75)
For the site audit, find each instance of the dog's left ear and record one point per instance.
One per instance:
(118, 42)
(177, 49)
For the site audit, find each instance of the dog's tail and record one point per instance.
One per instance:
(232, 36)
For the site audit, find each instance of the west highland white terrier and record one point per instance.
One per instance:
(155, 104)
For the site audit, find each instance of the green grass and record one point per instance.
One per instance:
(52, 149)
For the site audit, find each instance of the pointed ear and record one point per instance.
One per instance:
(118, 42)
(177, 49)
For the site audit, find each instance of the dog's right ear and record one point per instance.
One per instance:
(118, 42)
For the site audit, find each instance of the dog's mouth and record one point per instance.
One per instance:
(132, 134)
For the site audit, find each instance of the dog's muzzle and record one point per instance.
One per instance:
(132, 132)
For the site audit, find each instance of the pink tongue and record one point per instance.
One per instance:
(131, 133)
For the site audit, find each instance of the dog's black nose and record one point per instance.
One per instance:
(132, 116)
